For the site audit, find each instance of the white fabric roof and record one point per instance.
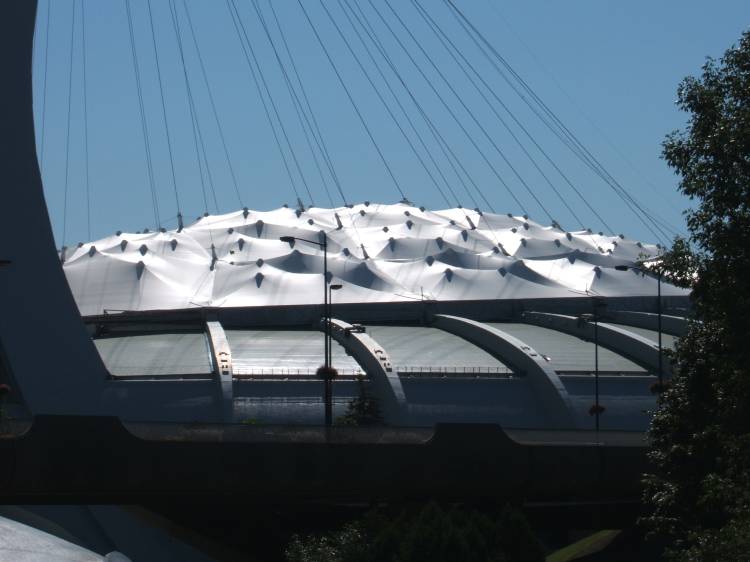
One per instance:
(378, 252)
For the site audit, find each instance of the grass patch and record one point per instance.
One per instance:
(588, 545)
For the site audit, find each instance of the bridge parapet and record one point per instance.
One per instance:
(522, 358)
(222, 361)
(376, 362)
(639, 349)
(672, 325)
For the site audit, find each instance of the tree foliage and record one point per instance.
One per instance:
(363, 409)
(699, 489)
(679, 264)
(424, 532)
(347, 543)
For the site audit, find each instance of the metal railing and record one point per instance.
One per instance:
(139, 375)
(434, 371)
(404, 371)
(309, 373)
(427, 371)
(282, 373)
(592, 373)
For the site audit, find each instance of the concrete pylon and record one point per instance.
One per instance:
(52, 361)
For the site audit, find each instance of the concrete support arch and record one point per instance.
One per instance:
(635, 347)
(221, 355)
(672, 325)
(53, 363)
(375, 361)
(521, 358)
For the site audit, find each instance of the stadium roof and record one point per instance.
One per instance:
(380, 253)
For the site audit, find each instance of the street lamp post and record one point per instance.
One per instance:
(329, 360)
(331, 288)
(326, 370)
(597, 303)
(658, 309)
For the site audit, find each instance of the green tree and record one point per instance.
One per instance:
(678, 265)
(345, 544)
(698, 492)
(424, 533)
(362, 410)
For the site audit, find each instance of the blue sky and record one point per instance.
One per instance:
(608, 70)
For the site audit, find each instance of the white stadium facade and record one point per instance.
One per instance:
(443, 316)
(449, 316)
(179, 368)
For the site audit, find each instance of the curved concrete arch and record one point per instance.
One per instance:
(221, 354)
(53, 362)
(635, 347)
(522, 358)
(374, 360)
(672, 325)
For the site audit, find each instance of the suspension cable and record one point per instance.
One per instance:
(471, 139)
(263, 81)
(385, 104)
(44, 86)
(672, 230)
(304, 121)
(356, 16)
(319, 135)
(164, 115)
(346, 8)
(315, 128)
(395, 96)
(557, 126)
(443, 38)
(452, 50)
(447, 151)
(469, 112)
(67, 130)
(353, 103)
(445, 148)
(565, 141)
(197, 137)
(85, 120)
(234, 15)
(144, 124)
(195, 124)
(199, 160)
(213, 105)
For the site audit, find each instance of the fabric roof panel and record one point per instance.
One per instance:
(156, 354)
(280, 350)
(430, 348)
(566, 352)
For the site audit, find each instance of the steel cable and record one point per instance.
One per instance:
(144, 125)
(353, 103)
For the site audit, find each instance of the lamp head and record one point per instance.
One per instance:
(335, 287)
